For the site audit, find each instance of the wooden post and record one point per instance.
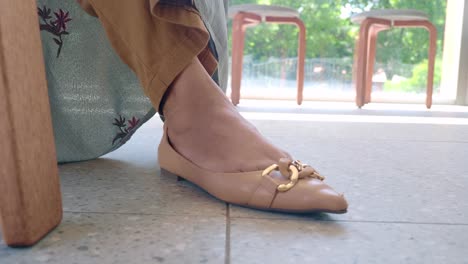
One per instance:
(30, 199)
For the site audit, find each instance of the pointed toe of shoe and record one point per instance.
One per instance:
(311, 196)
(332, 201)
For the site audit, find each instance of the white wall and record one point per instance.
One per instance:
(451, 49)
(462, 80)
(463, 83)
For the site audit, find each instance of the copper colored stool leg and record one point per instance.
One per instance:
(431, 61)
(355, 67)
(431, 53)
(300, 59)
(370, 64)
(373, 36)
(237, 51)
(241, 21)
(362, 59)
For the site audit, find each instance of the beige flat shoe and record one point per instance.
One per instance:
(288, 186)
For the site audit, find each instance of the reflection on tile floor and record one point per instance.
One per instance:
(406, 184)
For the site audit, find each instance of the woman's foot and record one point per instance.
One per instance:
(213, 146)
(204, 127)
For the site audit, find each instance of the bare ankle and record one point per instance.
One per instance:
(193, 91)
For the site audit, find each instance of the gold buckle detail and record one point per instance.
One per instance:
(293, 178)
(300, 166)
(295, 169)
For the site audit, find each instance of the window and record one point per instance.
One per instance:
(401, 62)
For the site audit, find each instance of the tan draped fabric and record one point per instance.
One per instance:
(156, 40)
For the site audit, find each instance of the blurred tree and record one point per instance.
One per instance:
(410, 45)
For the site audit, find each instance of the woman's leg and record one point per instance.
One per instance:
(165, 43)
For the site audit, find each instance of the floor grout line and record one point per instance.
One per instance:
(142, 214)
(227, 250)
(228, 219)
(353, 221)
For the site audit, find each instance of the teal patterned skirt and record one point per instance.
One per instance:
(96, 100)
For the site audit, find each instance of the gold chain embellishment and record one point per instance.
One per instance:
(301, 166)
(295, 167)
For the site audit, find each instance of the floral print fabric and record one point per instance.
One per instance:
(96, 100)
(56, 26)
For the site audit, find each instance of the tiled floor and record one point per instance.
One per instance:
(403, 169)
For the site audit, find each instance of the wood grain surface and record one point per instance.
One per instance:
(30, 199)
